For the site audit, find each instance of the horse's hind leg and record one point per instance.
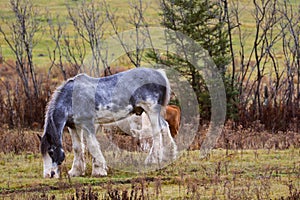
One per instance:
(78, 167)
(99, 165)
(169, 145)
(163, 147)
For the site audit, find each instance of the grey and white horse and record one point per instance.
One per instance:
(82, 102)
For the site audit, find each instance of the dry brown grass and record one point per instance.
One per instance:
(232, 138)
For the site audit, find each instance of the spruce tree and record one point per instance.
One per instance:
(203, 21)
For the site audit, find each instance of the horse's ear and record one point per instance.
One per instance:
(40, 138)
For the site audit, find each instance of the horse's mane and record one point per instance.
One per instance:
(49, 116)
(51, 104)
(53, 100)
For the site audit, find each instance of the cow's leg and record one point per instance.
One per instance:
(99, 164)
(78, 166)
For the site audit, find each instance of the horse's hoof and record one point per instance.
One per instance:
(99, 173)
(72, 173)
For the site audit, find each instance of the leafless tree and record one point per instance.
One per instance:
(88, 20)
(67, 50)
(290, 46)
(21, 39)
(136, 21)
(230, 26)
(266, 18)
(20, 34)
(56, 32)
(274, 52)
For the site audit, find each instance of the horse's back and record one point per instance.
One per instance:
(118, 94)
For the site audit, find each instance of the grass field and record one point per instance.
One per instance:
(248, 174)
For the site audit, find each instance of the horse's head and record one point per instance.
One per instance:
(53, 156)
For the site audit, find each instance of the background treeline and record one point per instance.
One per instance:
(255, 46)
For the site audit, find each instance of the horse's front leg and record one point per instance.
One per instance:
(78, 166)
(99, 164)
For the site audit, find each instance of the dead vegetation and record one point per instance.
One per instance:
(239, 138)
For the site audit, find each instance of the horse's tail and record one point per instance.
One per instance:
(167, 93)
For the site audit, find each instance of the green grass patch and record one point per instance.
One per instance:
(240, 174)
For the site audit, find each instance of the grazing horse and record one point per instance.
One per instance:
(82, 102)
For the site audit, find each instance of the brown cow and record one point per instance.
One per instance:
(172, 116)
